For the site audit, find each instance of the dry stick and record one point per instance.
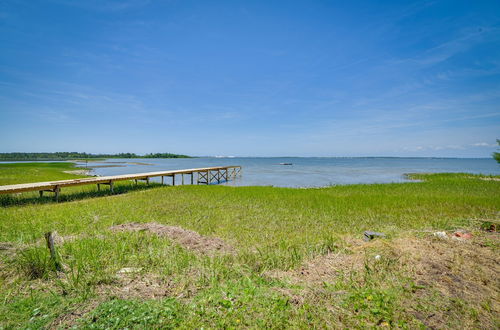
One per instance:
(52, 248)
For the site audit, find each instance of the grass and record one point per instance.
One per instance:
(275, 232)
(35, 172)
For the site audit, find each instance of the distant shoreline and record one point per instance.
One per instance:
(102, 159)
(80, 156)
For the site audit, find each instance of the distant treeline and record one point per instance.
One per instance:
(79, 155)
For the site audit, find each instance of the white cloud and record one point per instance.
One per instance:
(482, 144)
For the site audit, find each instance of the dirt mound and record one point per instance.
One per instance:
(187, 238)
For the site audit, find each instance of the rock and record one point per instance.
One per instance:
(128, 270)
(369, 235)
(441, 234)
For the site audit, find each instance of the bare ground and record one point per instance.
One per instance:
(466, 270)
(69, 320)
(147, 286)
(187, 238)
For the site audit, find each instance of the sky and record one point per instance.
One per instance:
(251, 78)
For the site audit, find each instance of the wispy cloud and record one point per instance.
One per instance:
(482, 144)
(468, 38)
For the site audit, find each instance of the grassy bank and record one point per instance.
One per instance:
(284, 257)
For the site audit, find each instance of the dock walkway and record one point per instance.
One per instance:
(206, 175)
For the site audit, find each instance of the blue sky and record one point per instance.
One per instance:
(251, 78)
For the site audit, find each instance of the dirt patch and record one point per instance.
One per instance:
(456, 268)
(129, 285)
(326, 267)
(146, 286)
(137, 286)
(464, 271)
(9, 249)
(187, 238)
(322, 268)
(77, 311)
(7, 246)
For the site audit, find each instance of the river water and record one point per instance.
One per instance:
(306, 172)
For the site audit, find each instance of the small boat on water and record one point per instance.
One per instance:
(286, 163)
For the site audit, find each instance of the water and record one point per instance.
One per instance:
(307, 172)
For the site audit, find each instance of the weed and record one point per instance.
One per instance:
(35, 263)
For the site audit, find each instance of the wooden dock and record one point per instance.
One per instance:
(206, 175)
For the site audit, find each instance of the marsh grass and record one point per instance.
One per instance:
(271, 229)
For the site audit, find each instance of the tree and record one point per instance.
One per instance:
(496, 155)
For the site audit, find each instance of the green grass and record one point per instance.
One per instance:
(271, 229)
(35, 172)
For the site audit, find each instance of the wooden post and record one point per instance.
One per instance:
(162, 179)
(173, 180)
(147, 180)
(182, 178)
(41, 193)
(218, 176)
(52, 249)
(111, 185)
(192, 178)
(135, 182)
(56, 193)
(98, 187)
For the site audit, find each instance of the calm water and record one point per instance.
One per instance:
(309, 172)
